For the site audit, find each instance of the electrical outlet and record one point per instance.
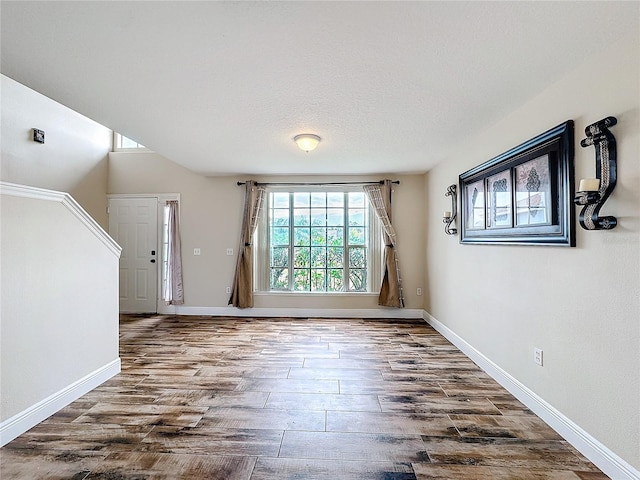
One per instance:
(196, 251)
(419, 291)
(229, 251)
(228, 289)
(537, 356)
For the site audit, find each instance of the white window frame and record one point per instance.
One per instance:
(163, 241)
(117, 144)
(262, 254)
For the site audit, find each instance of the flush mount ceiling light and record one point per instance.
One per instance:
(307, 141)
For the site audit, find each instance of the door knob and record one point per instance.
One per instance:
(153, 260)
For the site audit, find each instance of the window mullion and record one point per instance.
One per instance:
(345, 243)
(326, 244)
(291, 241)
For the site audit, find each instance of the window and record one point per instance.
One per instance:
(163, 238)
(120, 142)
(165, 247)
(318, 241)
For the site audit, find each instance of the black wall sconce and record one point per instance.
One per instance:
(450, 216)
(593, 192)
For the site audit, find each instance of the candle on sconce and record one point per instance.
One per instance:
(446, 214)
(589, 185)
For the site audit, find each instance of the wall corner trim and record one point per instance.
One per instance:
(25, 191)
(607, 461)
(23, 421)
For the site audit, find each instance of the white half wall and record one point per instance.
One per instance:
(59, 305)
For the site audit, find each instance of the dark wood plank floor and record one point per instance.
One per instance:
(266, 399)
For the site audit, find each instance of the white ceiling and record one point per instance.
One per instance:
(223, 87)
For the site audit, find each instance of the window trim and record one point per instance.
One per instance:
(117, 141)
(262, 255)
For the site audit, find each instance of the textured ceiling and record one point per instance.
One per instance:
(223, 87)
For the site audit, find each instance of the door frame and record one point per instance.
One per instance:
(161, 199)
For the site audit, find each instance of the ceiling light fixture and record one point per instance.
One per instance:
(307, 141)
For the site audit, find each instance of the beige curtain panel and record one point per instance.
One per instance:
(391, 289)
(173, 293)
(242, 288)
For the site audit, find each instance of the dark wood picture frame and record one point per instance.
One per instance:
(524, 195)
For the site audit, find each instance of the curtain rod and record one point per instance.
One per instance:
(320, 184)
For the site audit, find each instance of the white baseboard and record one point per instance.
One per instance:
(396, 313)
(601, 456)
(23, 421)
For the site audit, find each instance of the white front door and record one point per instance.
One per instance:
(133, 223)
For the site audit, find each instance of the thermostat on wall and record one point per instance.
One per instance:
(38, 135)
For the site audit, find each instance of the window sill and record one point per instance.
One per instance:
(132, 150)
(316, 294)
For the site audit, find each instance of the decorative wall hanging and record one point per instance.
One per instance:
(38, 135)
(593, 192)
(449, 216)
(522, 196)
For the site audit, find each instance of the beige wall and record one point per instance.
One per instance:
(59, 310)
(211, 213)
(580, 305)
(73, 158)
(58, 305)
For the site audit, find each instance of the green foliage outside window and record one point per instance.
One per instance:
(316, 247)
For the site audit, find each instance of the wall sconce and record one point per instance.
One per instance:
(449, 216)
(593, 192)
(307, 141)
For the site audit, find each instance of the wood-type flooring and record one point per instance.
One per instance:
(271, 399)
